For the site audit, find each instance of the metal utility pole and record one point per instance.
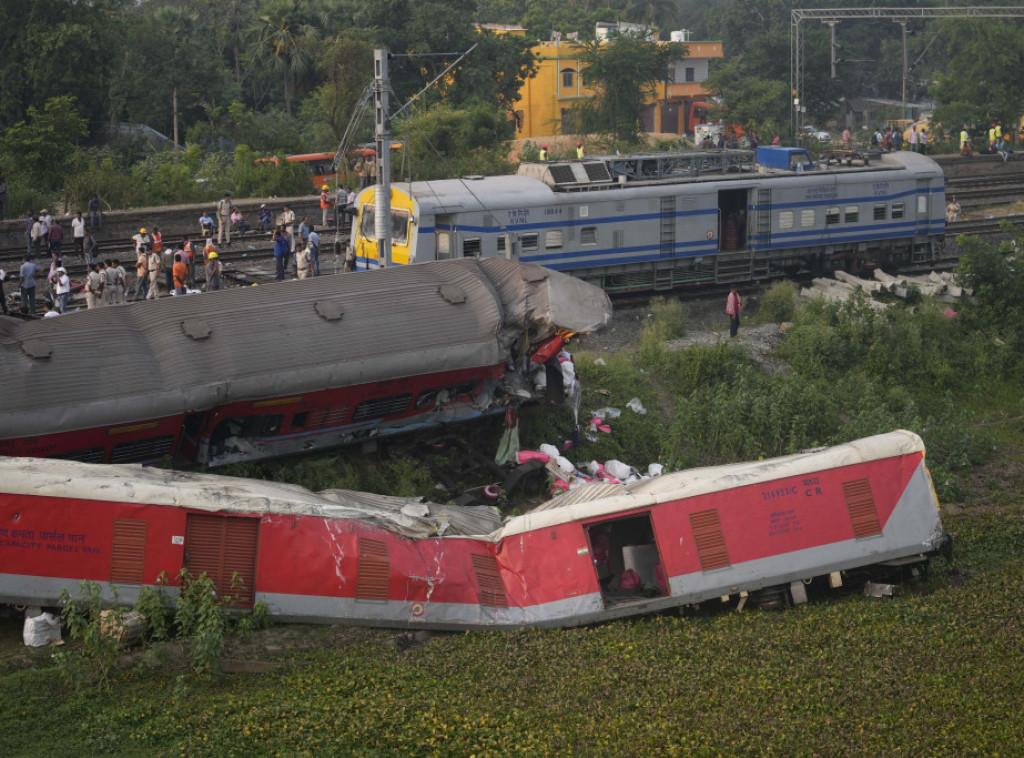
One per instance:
(903, 26)
(382, 137)
(899, 15)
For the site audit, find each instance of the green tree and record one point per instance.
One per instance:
(282, 39)
(41, 148)
(445, 142)
(624, 73)
(50, 48)
(345, 62)
(980, 84)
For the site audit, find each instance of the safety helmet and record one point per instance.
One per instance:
(213, 255)
(325, 187)
(142, 231)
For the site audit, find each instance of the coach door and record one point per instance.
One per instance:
(923, 210)
(221, 547)
(627, 560)
(761, 239)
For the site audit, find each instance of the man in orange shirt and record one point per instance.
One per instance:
(180, 274)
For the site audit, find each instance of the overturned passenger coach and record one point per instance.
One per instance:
(761, 530)
(255, 372)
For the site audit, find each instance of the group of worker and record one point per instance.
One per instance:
(581, 152)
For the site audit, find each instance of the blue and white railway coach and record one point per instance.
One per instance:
(661, 220)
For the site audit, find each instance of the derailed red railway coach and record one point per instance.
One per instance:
(337, 556)
(255, 372)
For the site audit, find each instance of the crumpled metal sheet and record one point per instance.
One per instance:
(133, 483)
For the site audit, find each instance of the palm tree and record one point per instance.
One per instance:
(282, 38)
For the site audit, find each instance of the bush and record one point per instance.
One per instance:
(778, 303)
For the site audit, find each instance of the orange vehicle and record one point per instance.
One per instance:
(321, 166)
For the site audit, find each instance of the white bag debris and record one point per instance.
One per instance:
(655, 469)
(600, 362)
(636, 406)
(41, 630)
(607, 413)
(618, 469)
(564, 464)
(550, 450)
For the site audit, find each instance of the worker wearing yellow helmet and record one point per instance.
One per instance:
(325, 203)
(142, 239)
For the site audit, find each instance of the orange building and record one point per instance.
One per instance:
(546, 100)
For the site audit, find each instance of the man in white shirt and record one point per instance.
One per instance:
(78, 233)
(61, 288)
(141, 239)
(287, 220)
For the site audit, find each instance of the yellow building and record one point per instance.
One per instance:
(546, 100)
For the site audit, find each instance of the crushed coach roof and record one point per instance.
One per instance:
(181, 354)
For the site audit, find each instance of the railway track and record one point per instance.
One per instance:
(123, 248)
(990, 190)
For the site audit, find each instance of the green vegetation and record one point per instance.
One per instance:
(935, 671)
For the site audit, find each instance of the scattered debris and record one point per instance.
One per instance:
(877, 589)
(41, 629)
(940, 285)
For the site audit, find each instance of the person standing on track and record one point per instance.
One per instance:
(734, 307)
(27, 283)
(287, 220)
(213, 273)
(62, 288)
(153, 266)
(314, 250)
(141, 275)
(93, 287)
(280, 253)
(95, 214)
(78, 233)
(302, 265)
(325, 204)
(224, 219)
(142, 239)
(180, 271)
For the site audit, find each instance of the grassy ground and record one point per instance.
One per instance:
(934, 671)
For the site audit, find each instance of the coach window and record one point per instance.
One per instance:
(588, 235)
(400, 227)
(367, 219)
(851, 214)
(553, 239)
(530, 242)
(785, 219)
(879, 211)
(922, 205)
(443, 243)
(831, 215)
(897, 211)
(807, 217)
(502, 244)
(471, 247)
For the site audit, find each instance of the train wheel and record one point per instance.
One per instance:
(770, 598)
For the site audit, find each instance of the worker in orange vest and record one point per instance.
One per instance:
(325, 203)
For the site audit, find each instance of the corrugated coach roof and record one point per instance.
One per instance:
(120, 364)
